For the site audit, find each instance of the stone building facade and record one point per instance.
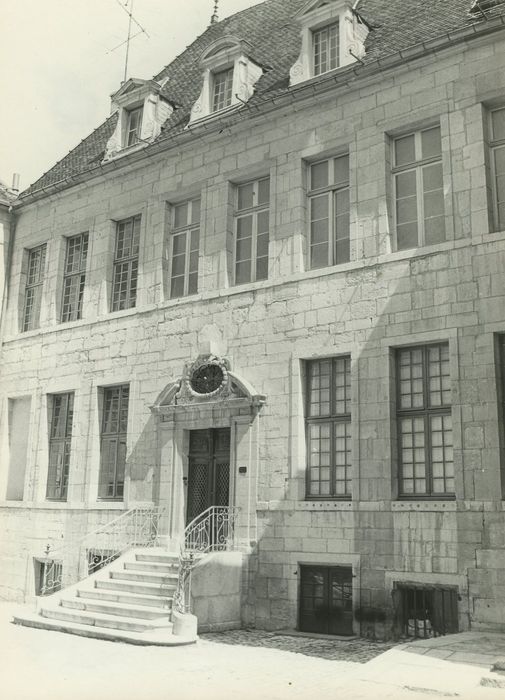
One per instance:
(325, 256)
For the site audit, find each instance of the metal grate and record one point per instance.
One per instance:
(426, 612)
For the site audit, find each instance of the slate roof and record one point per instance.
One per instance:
(270, 28)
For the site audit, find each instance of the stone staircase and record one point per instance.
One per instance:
(129, 600)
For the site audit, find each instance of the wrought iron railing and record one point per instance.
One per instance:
(138, 527)
(211, 531)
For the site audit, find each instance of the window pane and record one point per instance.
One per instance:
(246, 196)
(319, 388)
(319, 175)
(264, 191)
(223, 84)
(431, 144)
(342, 244)
(341, 166)
(343, 386)
(413, 459)
(405, 150)
(181, 215)
(243, 272)
(113, 442)
(244, 227)
(195, 211)
(498, 124)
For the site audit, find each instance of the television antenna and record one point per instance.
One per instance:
(127, 6)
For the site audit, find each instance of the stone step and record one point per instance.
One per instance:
(152, 601)
(98, 620)
(161, 579)
(151, 566)
(156, 637)
(134, 587)
(123, 610)
(168, 558)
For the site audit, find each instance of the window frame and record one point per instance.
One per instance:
(62, 441)
(117, 436)
(228, 72)
(132, 135)
(253, 211)
(500, 393)
(418, 166)
(119, 263)
(496, 144)
(34, 289)
(426, 412)
(188, 230)
(68, 277)
(332, 190)
(332, 419)
(314, 31)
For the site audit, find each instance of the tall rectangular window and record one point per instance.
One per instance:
(329, 212)
(497, 145)
(113, 442)
(33, 290)
(134, 126)
(184, 248)
(500, 372)
(60, 438)
(126, 264)
(425, 421)
(222, 91)
(74, 277)
(328, 424)
(419, 189)
(325, 44)
(252, 225)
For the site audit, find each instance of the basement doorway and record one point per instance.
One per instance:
(326, 600)
(426, 611)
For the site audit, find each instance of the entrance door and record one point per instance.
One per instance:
(326, 599)
(209, 470)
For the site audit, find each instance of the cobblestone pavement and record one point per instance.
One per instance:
(356, 650)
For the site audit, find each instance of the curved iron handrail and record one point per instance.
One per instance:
(138, 527)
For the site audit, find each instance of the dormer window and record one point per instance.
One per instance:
(325, 46)
(333, 35)
(141, 112)
(229, 76)
(223, 89)
(134, 126)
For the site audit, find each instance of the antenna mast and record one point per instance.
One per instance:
(128, 40)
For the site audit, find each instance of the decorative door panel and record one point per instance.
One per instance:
(209, 470)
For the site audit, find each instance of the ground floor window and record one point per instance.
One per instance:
(326, 600)
(48, 575)
(426, 611)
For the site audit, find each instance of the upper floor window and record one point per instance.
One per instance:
(184, 249)
(222, 89)
(126, 263)
(134, 126)
(74, 277)
(419, 189)
(424, 421)
(60, 437)
(497, 144)
(328, 423)
(329, 212)
(325, 47)
(252, 224)
(33, 290)
(113, 441)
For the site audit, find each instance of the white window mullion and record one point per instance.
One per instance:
(420, 206)
(332, 228)
(186, 262)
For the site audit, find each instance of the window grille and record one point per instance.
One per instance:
(328, 425)
(252, 224)
(126, 263)
(497, 146)
(426, 611)
(74, 277)
(184, 249)
(419, 189)
(33, 290)
(325, 44)
(329, 212)
(425, 421)
(113, 442)
(223, 88)
(60, 438)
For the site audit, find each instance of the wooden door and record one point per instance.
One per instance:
(326, 600)
(209, 470)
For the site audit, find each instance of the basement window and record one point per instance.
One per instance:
(423, 612)
(48, 574)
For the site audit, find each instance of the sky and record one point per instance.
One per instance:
(58, 68)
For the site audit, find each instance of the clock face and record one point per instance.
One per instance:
(206, 379)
